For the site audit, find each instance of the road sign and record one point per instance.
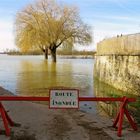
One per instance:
(64, 98)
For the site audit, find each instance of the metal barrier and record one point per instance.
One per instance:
(119, 119)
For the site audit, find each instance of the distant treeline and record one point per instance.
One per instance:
(76, 52)
(59, 52)
(31, 52)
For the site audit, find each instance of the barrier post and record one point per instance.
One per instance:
(120, 116)
(6, 119)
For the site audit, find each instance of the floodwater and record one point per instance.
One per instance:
(34, 76)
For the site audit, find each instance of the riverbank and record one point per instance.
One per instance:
(40, 123)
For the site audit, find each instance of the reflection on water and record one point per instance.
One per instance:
(111, 108)
(32, 75)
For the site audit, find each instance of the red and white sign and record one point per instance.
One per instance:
(64, 98)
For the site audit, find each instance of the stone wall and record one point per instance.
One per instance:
(121, 45)
(119, 65)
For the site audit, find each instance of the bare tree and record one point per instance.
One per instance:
(47, 24)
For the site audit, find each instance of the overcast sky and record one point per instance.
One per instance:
(107, 17)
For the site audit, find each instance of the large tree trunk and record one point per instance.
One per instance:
(46, 53)
(53, 54)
